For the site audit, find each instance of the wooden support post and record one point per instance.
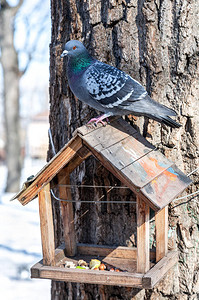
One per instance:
(161, 223)
(47, 228)
(143, 258)
(67, 213)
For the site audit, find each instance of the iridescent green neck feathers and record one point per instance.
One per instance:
(80, 62)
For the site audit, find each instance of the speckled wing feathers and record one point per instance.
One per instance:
(111, 87)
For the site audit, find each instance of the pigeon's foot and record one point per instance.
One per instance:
(99, 120)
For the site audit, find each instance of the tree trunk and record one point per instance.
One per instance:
(156, 42)
(9, 60)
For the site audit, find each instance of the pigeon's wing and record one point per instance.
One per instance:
(118, 93)
(111, 87)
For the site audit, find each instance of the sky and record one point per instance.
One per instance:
(32, 36)
(34, 84)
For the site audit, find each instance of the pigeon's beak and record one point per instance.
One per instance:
(64, 53)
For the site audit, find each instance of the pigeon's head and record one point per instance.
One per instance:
(73, 48)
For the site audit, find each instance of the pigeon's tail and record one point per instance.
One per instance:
(161, 113)
(168, 121)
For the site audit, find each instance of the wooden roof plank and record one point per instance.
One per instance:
(127, 150)
(50, 170)
(163, 189)
(145, 169)
(122, 125)
(89, 128)
(105, 136)
(32, 178)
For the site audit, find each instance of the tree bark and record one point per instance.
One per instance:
(11, 77)
(157, 43)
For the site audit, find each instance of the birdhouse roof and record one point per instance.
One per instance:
(126, 154)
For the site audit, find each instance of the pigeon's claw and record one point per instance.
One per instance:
(98, 120)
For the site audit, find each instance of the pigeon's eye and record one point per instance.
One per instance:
(74, 47)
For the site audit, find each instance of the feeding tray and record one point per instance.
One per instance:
(123, 258)
(154, 179)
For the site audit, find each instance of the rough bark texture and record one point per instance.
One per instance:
(156, 42)
(11, 77)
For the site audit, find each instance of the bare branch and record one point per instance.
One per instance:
(17, 7)
(31, 52)
(22, 72)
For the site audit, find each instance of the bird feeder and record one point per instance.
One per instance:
(154, 179)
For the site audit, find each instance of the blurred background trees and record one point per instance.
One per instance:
(24, 38)
(11, 77)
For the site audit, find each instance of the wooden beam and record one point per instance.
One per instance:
(109, 251)
(143, 261)
(80, 156)
(46, 225)
(35, 270)
(67, 213)
(156, 273)
(50, 170)
(89, 276)
(161, 223)
(102, 251)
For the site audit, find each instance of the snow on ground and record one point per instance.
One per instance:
(20, 243)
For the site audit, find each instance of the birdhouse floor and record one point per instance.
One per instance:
(123, 258)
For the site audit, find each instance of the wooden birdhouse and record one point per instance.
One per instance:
(154, 179)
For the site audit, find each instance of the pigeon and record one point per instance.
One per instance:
(110, 90)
